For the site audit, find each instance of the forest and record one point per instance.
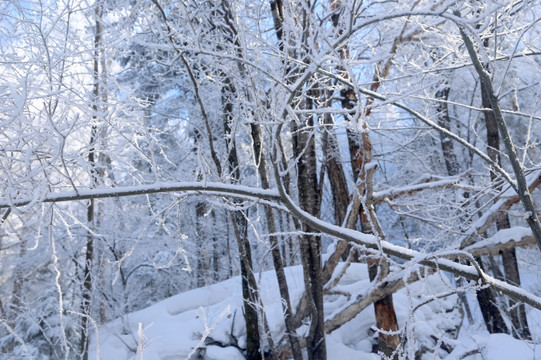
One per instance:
(355, 172)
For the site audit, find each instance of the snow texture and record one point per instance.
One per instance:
(173, 328)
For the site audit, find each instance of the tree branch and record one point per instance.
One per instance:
(520, 184)
(212, 188)
(437, 261)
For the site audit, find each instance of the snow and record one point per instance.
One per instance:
(493, 346)
(173, 328)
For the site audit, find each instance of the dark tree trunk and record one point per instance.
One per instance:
(200, 231)
(240, 224)
(333, 166)
(338, 184)
(260, 159)
(451, 162)
(304, 150)
(517, 313)
(309, 200)
(340, 193)
(87, 284)
(360, 149)
(92, 159)
(249, 288)
(447, 145)
(491, 313)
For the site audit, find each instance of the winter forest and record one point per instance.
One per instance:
(270, 179)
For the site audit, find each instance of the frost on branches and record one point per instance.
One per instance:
(269, 180)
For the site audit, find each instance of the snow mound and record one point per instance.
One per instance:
(207, 323)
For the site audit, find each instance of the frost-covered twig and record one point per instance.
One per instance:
(207, 329)
(95, 324)
(17, 336)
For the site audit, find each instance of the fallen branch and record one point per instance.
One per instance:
(506, 200)
(503, 240)
(388, 286)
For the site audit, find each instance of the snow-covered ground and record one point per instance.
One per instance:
(176, 327)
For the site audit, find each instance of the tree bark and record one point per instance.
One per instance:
(447, 144)
(200, 232)
(309, 200)
(249, 289)
(92, 159)
(261, 162)
(517, 312)
(489, 309)
(451, 162)
(304, 150)
(360, 149)
(240, 224)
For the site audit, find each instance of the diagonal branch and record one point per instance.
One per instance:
(503, 204)
(438, 261)
(520, 184)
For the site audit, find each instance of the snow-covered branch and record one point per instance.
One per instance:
(213, 188)
(506, 200)
(440, 261)
(517, 236)
(520, 183)
(429, 183)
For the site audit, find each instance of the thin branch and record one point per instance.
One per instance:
(425, 120)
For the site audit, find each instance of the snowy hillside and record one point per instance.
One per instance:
(206, 323)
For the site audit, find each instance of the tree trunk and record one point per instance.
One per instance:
(87, 284)
(92, 159)
(240, 224)
(360, 149)
(309, 200)
(447, 144)
(249, 288)
(517, 312)
(304, 150)
(260, 159)
(489, 308)
(451, 162)
(200, 232)
(339, 188)
(333, 167)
